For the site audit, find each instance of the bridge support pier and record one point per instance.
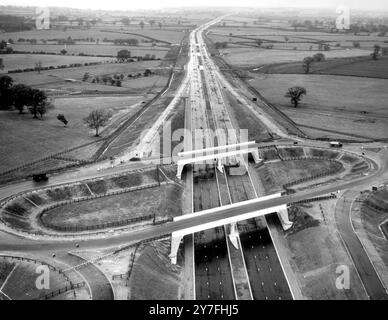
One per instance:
(233, 234)
(179, 171)
(283, 217)
(220, 166)
(256, 156)
(176, 239)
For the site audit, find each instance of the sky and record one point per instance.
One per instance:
(155, 4)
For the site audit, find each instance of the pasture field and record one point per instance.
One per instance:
(357, 66)
(131, 32)
(339, 104)
(24, 139)
(92, 49)
(59, 75)
(251, 57)
(22, 61)
(288, 45)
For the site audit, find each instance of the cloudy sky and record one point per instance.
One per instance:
(153, 4)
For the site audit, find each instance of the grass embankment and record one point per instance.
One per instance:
(275, 175)
(163, 201)
(153, 277)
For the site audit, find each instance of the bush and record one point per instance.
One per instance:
(128, 181)
(59, 194)
(98, 187)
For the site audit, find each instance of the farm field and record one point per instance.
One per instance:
(22, 61)
(133, 32)
(92, 49)
(251, 57)
(59, 75)
(357, 66)
(20, 133)
(351, 105)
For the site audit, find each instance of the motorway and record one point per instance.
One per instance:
(18, 244)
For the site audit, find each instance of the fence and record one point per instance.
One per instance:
(51, 267)
(336, 170)
(51, 156)
(333, 196)
(106, 225)
(55, 293)
(127, 275)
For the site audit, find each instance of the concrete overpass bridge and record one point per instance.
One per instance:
(216, 154)
(177, 236)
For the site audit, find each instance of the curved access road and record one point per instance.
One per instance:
(364, 266)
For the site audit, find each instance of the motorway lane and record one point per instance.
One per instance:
(213, 276)
(364, 266)
(265, 273)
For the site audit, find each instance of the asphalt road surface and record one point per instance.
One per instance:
(100, 286)
(265, 272)
(213, 276)
(368, 275)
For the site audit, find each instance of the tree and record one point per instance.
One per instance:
(286, 39)
(86, 76)
(307, 64)
(123, 55)
(38, 66)
(63, 119)
(259, 42)
(160, 25)
(1, 64)
(384, 51)
(43, 108)
(37, 103)
(376, 52)
(151, 22)
(21, 96)
(356, 44)
(141, 24)
(63, 51)
(125, 21)
(6, 83)
(318, 57)
(296, 94)
(97, 119)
